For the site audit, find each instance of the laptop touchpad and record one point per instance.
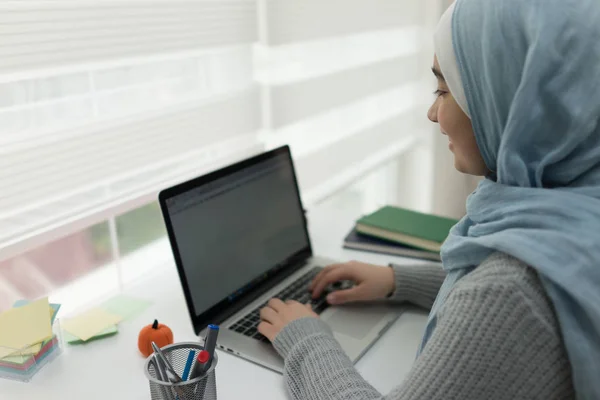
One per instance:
(353, 325)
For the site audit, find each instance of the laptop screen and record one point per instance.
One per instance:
(230, 231)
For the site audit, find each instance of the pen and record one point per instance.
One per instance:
(161, 375)
(171, 374)
(188, 365)
(210, 342)
(160, 372)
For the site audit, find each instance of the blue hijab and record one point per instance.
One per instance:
(531, 75)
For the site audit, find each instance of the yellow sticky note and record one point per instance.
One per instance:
(24, 326)
(88, 324)
(17, 359)
(33, 349)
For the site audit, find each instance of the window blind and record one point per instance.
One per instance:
(40, 34)
(341, 82)
(104, 103)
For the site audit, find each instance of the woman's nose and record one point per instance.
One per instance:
(432, 113)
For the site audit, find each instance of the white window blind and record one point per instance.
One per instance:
(103, 103)
(341, 79)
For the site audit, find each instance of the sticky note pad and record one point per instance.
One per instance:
(15, 359)
(54, 307)
(27, 354)
(24, 326)
(90, 323)
(33, 349)
(125, 306)
(72, 339)
(23, 354)
(23, 363)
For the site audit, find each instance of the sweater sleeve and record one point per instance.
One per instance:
(417, 284)
(490, 342)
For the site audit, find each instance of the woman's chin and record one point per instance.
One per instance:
(467, 169)
(460, 166)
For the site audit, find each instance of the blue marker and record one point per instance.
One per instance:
(188, 365)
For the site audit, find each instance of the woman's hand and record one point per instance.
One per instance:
(277, 314)
(372, 282)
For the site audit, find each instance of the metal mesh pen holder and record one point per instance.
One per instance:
(201, 388)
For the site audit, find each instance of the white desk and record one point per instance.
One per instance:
(112, 368)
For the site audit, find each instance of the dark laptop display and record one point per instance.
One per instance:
(233, 230)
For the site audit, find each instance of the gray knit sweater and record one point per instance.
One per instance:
(497, 337)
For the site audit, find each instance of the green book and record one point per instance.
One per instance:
(423, 231)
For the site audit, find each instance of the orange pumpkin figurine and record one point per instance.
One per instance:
(157, 333)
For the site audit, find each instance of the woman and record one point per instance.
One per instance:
(518, 313)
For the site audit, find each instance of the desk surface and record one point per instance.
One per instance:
(113, 367)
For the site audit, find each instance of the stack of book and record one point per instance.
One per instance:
(401, 232)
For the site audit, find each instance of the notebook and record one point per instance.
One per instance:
(399, 225)
(356, 241)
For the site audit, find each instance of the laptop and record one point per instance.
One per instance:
(239, 238)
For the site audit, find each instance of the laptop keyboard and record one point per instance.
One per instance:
(296, 291)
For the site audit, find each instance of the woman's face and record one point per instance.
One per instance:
(455, 124)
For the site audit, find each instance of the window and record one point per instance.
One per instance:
(139, 227)
(58, 267)
(102, 105)
(372, 191)
(142, 241)
(341, 82)
(49, 267)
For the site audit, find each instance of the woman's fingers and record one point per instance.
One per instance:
(345, 296)
(268, 314)
(334, 275)
(276, 304)
(320, 274)
(267, 330)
